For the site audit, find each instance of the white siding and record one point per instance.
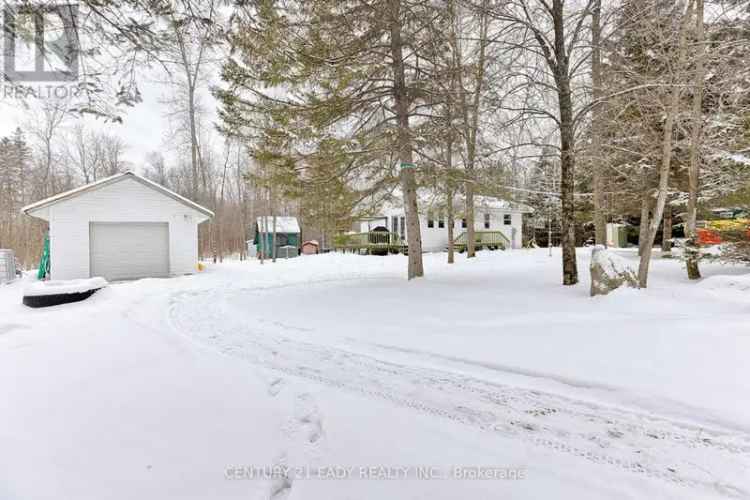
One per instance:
(124, 201)
(435, 239)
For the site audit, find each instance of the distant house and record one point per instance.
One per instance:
(497, 222)
(121, 227)
(287, 234)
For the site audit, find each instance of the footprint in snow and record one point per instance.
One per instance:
(274, 388)
(281, 486)
(309, 418)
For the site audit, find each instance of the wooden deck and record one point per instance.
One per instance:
(381, 242)
(493, 240)
(370, 242)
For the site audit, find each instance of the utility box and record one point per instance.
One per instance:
(287, 252)
(7, 266)
(617, 235)
(252, 251)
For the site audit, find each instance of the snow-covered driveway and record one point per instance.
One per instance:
(489, 362)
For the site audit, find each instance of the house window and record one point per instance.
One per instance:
(403, 227)
(463, 223)
(441, 221)
(430, 220)
(486, 221)
(394, 224)
(507, 220)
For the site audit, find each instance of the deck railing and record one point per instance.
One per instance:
(369, 239)
(484, 239)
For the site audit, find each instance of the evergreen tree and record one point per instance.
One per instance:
(349, 72)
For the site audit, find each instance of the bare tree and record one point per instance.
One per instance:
(44, 126)
(600, 221)
(469, 72)
(557, 32)
(672, 108)
(193, 38)
(695, 141)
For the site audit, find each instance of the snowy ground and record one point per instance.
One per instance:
(182, 388)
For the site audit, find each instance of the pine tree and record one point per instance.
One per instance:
(350, 72)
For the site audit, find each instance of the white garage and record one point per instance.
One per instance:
(122, 227)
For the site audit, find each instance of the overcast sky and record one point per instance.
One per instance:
(145, 127)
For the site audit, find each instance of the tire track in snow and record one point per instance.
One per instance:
(644, 444)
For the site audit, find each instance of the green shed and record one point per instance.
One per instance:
(287, 234)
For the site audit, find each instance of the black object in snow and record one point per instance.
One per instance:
(57, 299)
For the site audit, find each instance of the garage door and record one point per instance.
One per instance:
(129, 250)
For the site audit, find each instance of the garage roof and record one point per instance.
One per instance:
(111, 180)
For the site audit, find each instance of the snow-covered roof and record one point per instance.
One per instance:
(498, 204)
(284, 224)
(393, 203)
(28, 209)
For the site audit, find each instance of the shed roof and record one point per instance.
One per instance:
(284, 224)
(28, 209)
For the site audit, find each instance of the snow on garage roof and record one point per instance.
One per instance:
(284, 224)
(111, 180)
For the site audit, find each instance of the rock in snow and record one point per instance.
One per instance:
(609, 271)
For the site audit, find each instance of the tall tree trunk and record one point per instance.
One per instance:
(193, 143)
(600, 220)
(242, 198)
(408, 177)
(451, 222)
(567, 147)
(666, 159)
(469, 212)
(272, 202)
(691, 249)
(451, 214)
(449, 184)
(666, 239)
(471, 122)
(263, 227)
(646, 203)
(220, 210)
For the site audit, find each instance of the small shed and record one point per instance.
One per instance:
(310, 247)
(617, 235)
(287, 233)
(121, 227)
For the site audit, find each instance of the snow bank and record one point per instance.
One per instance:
(740, 283)
(329, 360)
(63, 287)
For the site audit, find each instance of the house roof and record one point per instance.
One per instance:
(112, 180)
(393, 203)
(499, 204)
(284, 224)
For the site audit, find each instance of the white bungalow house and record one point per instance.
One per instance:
(491, 215)
(121, 227)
